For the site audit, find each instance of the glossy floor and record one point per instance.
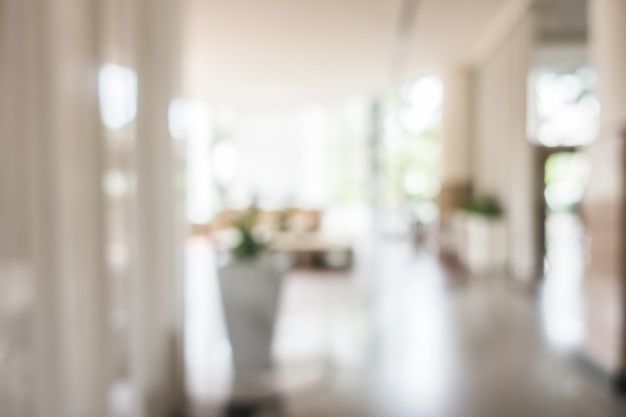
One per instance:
(402, 335)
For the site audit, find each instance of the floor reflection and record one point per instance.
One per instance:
(207, 350)
(398, 336)
(561, 300)
(415, 362)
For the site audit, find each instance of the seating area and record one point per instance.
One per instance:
(291, 231)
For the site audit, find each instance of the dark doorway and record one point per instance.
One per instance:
(565, 173)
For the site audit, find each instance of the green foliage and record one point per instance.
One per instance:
(249, 245)
(567, 166)
(487, 206)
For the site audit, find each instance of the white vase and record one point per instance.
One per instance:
(250, 294)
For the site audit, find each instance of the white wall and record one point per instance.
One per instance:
(604, 205)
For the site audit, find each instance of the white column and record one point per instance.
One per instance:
(504, 161)
(48, 72)
(29, 370)
(117, 49)
(608, 51)
(157, 344)
(77, 160)
(456, 128)
(456, 156)
(605, 201)
(49, 75)
(523, 187)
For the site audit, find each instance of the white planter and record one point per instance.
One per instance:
(480, 242)
(250, 294)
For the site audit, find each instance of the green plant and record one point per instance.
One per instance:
(487, 206)
(249, 245)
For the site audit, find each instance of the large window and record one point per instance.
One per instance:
(411, 142)
(563, 109)
(411, 154)
(315, 155)
(309, 156)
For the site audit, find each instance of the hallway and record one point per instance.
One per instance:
(401, 336)
(418, 207)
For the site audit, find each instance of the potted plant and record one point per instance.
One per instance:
(250, 285)
(481, 234)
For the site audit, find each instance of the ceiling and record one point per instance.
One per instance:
(275, 51)
(561, 20)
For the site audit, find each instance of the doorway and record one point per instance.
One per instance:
(565, 173)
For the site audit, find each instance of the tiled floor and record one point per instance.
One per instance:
(403, 336)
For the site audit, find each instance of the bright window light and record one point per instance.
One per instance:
(177, 118)
(411, 143)
(566, 177)
(116, 183)
(424, 112)
(564, 110)
(118, 95)
(195, 126)
(225, 161)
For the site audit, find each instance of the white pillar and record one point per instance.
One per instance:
(608, 51)
(29, 364)
(524, 185)
(49, 75)
(456, 134)
(79, 218)
(142, 36)
(50, 55)
(504, 161)
(605, 201)
(117, 21)
(456, 128)
(157, 344)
